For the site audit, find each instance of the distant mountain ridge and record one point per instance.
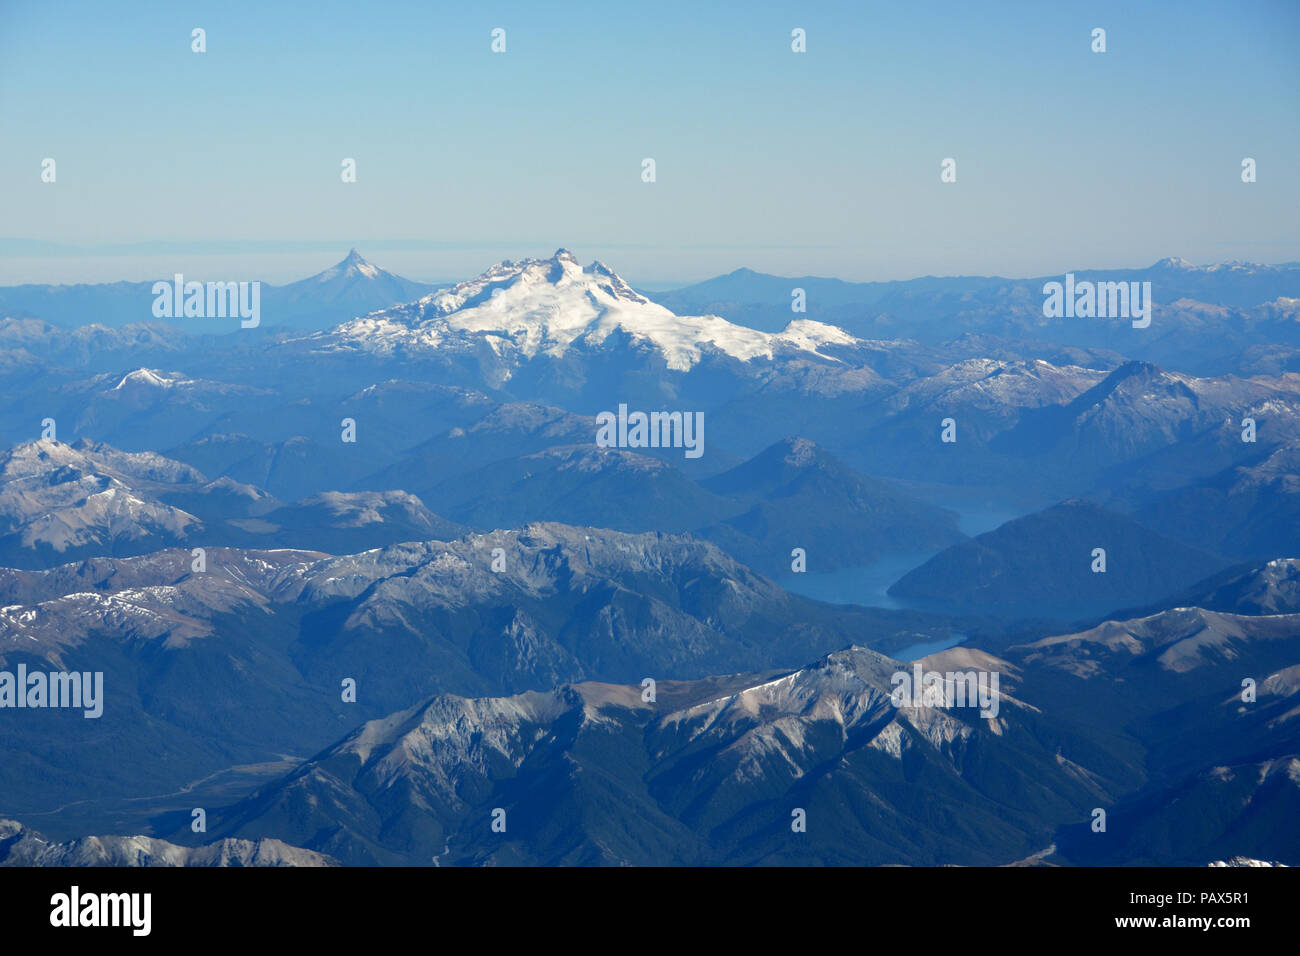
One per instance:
(762, 300)
(351, 287)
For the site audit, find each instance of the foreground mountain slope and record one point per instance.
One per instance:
(243, 661)
(1213, 699)
(1138, 718)
(1246, 810)
(709, 772)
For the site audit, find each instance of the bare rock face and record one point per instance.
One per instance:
(62, 499)
(592, 770)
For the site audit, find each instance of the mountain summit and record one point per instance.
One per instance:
(352, 282)
(352, 286)
(532, 307)
(353, 265)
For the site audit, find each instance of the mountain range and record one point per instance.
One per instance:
(363, 577)
(191, 656)
(713, 771)
(1235, 305)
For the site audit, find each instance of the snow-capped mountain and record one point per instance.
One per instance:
(519, 310)
(143, 387)
(152, 378)
(1244, 861)
(353, 266)
(1231, 266)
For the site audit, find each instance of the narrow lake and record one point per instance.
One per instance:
(867, 584)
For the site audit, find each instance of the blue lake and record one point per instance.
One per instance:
(867, 584)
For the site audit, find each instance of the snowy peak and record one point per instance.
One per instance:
(529, 276)
(353, 266)
(151, 378)
(1230, 267)
(545, 307)
(809, 335)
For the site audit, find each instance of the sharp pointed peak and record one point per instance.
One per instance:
(354, 262)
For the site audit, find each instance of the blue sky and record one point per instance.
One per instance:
(825, 162)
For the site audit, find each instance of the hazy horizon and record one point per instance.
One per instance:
(793, 163)
(441, 266)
